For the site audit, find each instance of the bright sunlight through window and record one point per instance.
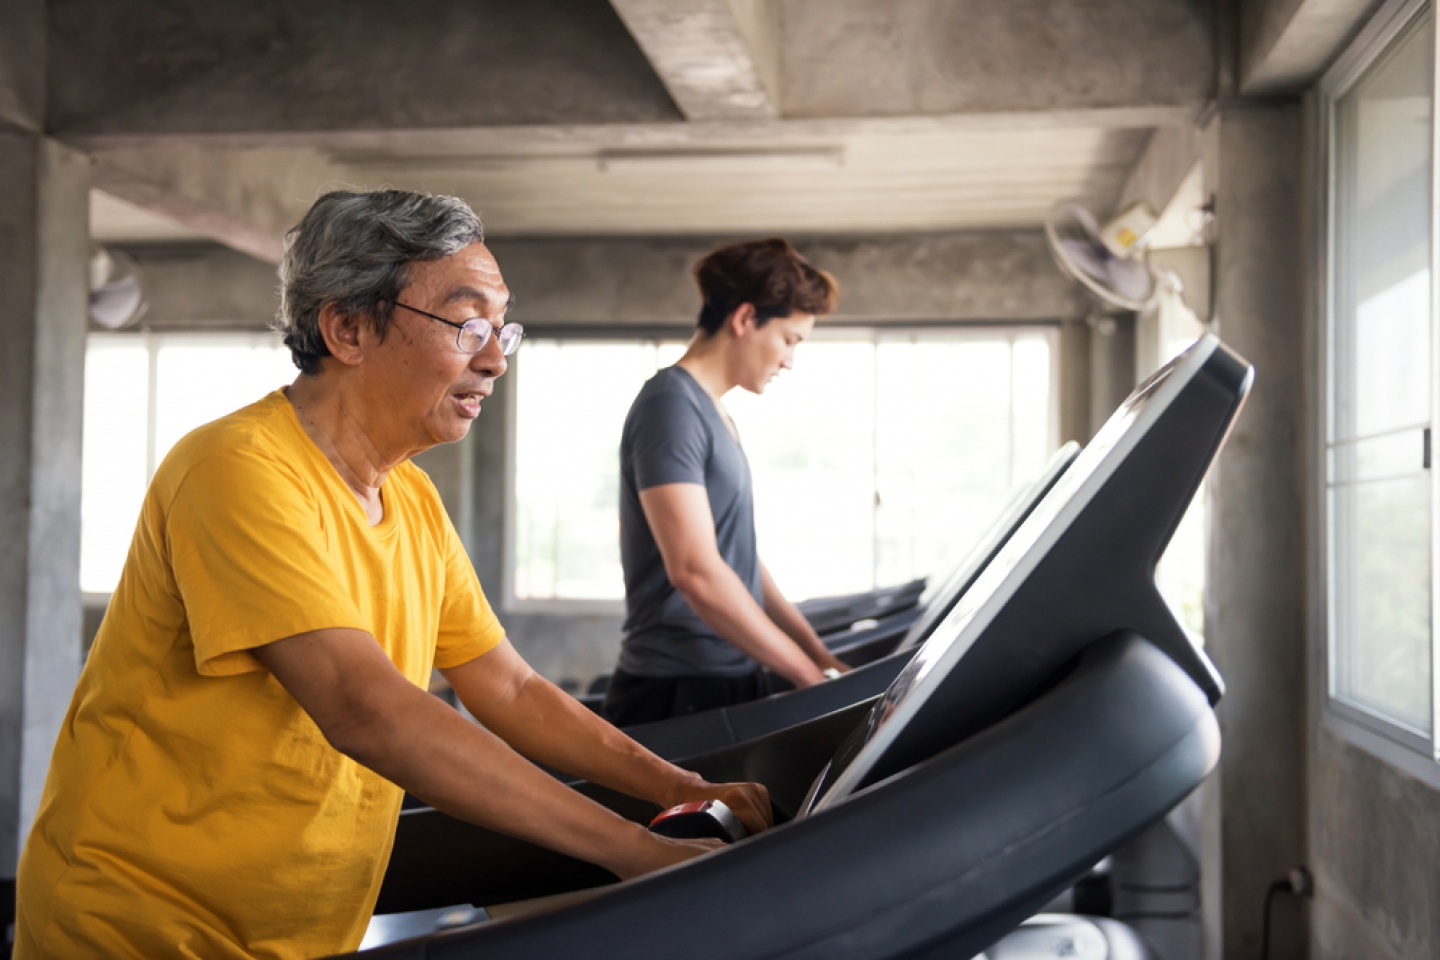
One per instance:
(143, 392)
(876, 460)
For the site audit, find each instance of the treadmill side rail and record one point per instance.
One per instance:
(952, 853)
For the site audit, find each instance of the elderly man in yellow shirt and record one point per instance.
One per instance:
(229, 776)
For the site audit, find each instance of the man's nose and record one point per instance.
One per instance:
(490, 361)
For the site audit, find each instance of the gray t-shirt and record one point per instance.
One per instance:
(674, 434)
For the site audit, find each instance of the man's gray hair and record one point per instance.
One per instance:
(354, 250)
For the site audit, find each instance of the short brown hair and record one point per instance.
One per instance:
(770, 275)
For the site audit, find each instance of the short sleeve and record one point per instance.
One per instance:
(668, 441)
(249, 556)
(468, 625)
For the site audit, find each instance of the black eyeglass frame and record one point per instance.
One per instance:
(512, 332)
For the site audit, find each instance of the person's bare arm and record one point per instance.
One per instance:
(368, 711)
(788, 617)
(684, 529)
(551, 727)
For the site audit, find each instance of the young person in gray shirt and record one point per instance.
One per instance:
(702, 612)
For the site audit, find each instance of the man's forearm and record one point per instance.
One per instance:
(460, 768)
(788, 618)
(551, 727)
(716, 593)
(548, 726)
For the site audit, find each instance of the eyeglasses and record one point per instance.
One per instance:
(472, 335)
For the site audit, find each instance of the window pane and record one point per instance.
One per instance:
(1379, 493)
(1382, 598)
(200, 379)
(810, 443)
(112, 471)
(961, 419)
(819, 441)
(570, 406)
(1382, 205)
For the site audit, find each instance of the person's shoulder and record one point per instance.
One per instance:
(412, 482)
(259, 435)
(671, 390)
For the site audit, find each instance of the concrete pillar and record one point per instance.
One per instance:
(43, 301)
(1075, 382)
(1255, 611)
(1112, 365)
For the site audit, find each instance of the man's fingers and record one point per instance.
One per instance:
(751, 804)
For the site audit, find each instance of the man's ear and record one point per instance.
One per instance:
(342, 333)
(742, 320)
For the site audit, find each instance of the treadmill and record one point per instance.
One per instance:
(877, 655)
(1054, 714)
(829, 615)
(839, 620)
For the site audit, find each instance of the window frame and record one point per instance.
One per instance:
(153, 341)
(828, 331)
(1389, 740)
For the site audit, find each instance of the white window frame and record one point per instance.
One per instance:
(833, 332)
(1392, 742)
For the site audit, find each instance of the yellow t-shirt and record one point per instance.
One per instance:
(192, 808)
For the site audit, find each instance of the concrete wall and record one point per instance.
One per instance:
(985, 276)
(1375, 848)
(43, 213)
(989, 275)
(1255, 602)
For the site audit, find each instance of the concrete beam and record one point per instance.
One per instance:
(977, 276)
(882, 58)
(245, 199)
(195, 66)
(1286, 44)
(204, 286)
(718, 58)
(22, 64)
(1167, 160)
(645, 283)
(42, 361)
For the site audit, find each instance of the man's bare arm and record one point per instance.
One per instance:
(788, 617)
(684, 529)
(368, 711)
(551, 727)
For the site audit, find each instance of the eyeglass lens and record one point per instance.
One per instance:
(476, 332)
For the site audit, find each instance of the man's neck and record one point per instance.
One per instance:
(706, 360)
(345, 433)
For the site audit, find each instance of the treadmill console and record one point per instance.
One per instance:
(1080, 567)
(1017, 507)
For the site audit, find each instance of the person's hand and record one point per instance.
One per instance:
(750, 802)
(653, 852)
(834, 663)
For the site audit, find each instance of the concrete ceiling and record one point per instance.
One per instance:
(113, 220)
(225, 118)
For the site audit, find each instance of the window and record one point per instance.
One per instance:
(1379, 380)
(879, 458)
(143, 392)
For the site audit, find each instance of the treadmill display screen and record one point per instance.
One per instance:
(1017, 508)
(955, 635)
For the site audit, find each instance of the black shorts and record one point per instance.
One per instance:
(630, 699)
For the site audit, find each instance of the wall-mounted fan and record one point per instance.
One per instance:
(116, 295)
(1107, 260)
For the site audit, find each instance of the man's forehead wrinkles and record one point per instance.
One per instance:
(473, 293)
